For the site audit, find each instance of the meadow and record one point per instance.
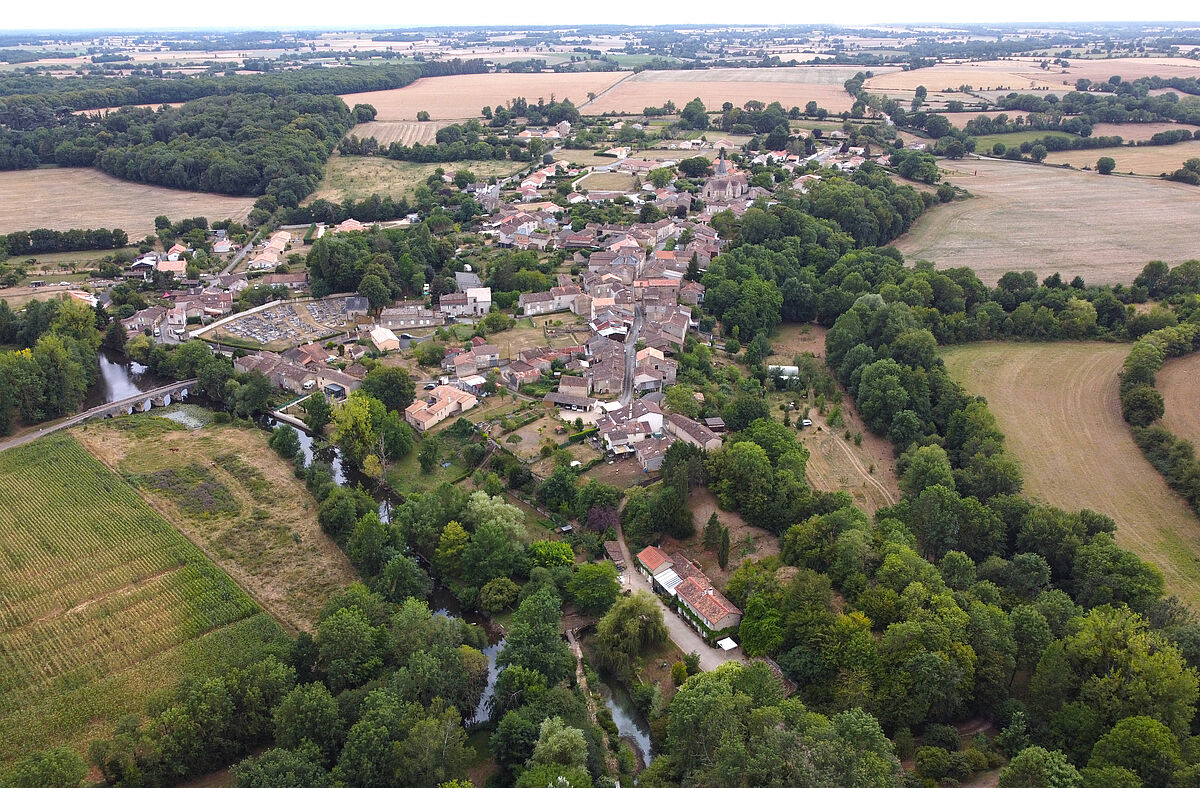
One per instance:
(102, 603)
(1058, 407)
(1179, 383)
(463, 96)
(1047, 219)
(1141, 160)
(791, 87)
(358, 177)
(74, 197)
(984, 143)
(607, 181)
(261, 526)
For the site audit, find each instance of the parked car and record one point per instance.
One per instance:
(430, 386)
(806, 423)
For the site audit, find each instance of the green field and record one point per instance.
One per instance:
(102, 603)
(983, 144)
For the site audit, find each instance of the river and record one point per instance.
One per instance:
(629, 721)
(120, 378)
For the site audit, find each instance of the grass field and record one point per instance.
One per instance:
(74, 197)
(358, 177)
(1024, 74)
(1179, 383)
(405, 132)
(1046, 219)
(267, 537)
(102, 603)
(463, 96)
(607, 181)
(960, 119)
(790, 86)
(1134, 132)
(1142, 160)
(1058, 406)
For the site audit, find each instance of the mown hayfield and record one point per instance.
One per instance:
(1025, 74)
(1179, 383)
(358, 177)
(1135, 132)
(1058, 407)
(1141, 160)
(386, 132)
(792, 87)
(102, 603)
(266, 535)
(1047, 219)
(960, 119)
(69, 197)
(984, 143)
(464, 95)
(607, 181)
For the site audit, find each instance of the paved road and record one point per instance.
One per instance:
(87, 414)
(682, 635)
(631, 355)
(237, 258)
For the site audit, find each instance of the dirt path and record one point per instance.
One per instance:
(610, 759)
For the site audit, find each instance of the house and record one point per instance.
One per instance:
(176, 268)
(708, 604)
(290, 281)
(569, 401)
(650, 453)
(607, 376)
(223, 246)
(384, 339)
(409, 316)
(691, 293)
(467, 279)
(440, 404)
(356, 305)
(279, 371)
(658, 567)
(693, 432)
(149, 319)
(175, 252)
(557, 299)
(351, 225)
(520, 372)
(574, 384)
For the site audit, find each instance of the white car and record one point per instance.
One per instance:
(806, 423)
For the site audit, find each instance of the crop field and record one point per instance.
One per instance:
(1179, 383)
(386, 132)
(232, 495)
(791, 87)
(1134, 132)
(71, 197)
(102, 603)
(1046, 219)
(464, 95)
(358, 177)
(1025, 74)
(1141, 160)
(960, 119)
(1058, 406)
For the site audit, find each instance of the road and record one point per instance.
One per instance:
(87, 414)
(237, 258)
(683, 636)
(631, 355)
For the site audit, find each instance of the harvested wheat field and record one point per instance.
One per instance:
(235, 498)
(405, 132)
(1179, 383)
(960, 119)
(1047, 219)
(792, 87)
(1141, 160)
(1058, 406)
(1136, 132)
(75, 197)
(464, 95)
(1023, 74)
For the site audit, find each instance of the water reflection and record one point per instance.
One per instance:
(629, 722)
(120, 378)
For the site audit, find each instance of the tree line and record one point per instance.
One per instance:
(43, 241)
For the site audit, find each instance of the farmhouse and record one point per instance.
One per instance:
(441, 403)
(693, 432)
(715, 612)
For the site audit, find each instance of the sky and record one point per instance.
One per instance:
(155, 14)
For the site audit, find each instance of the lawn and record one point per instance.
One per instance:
(1058, 407)
(102, 603)
(405, 475)
(265, 535)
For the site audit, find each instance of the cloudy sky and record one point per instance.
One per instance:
(155, 14)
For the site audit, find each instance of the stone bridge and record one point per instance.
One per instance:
(159, 397)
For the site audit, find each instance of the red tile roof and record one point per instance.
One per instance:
(653, 559)
(706, 600)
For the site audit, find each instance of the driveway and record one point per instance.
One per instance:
(682, 635)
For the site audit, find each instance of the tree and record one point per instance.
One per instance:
(1035, 767)
(422, 115)
(632, 625)
(1142, 405)
(547, 553)
(349, 648)
(491, 553)
(58, 767)
(114, 337)
(761, 631)
(402, 578)
(1144, 746)
(428, 454)
(695, 167)
(317, 412)
(560, 744)
(390, 385)
(534, 638)
(309, 714)
(1038, 152)
(283, 768)
(723, 548)
(498, 595)
(285, 441)
(1105, 165)
(594, 587)
(926, 466)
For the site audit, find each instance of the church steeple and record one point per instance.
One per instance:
(722, 169)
